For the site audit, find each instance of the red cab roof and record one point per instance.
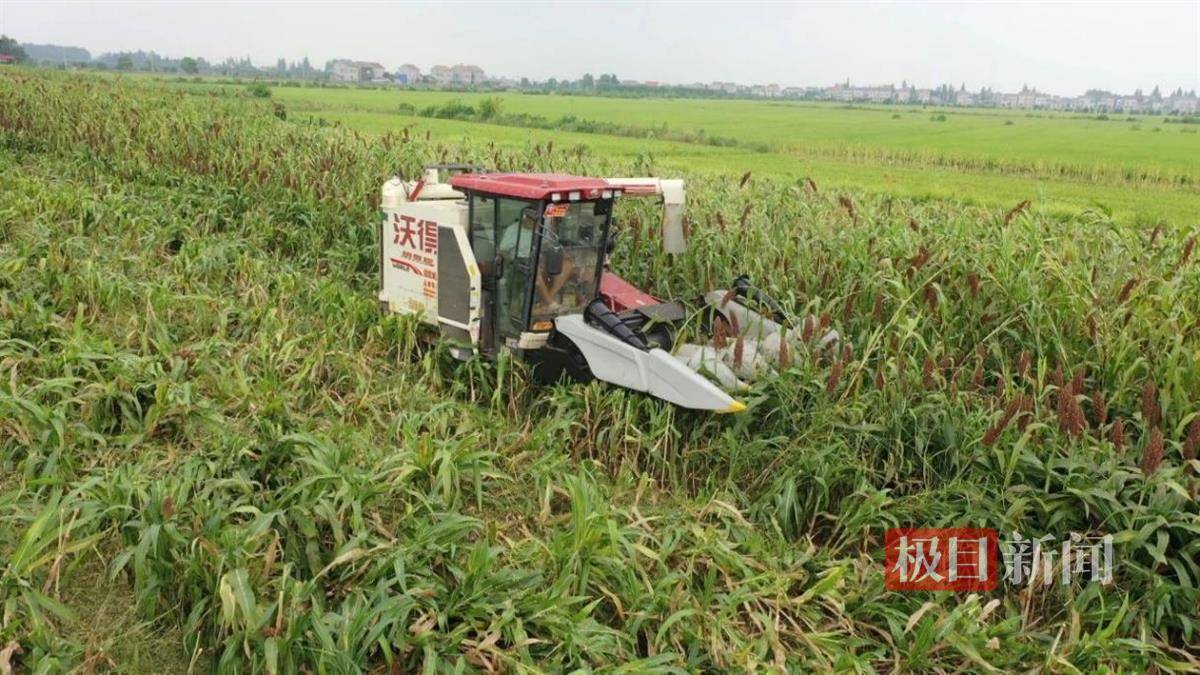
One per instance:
(529, 185)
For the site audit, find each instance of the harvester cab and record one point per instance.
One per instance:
(517, 262)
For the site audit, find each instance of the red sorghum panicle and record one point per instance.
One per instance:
(848, 204)
(1056, 377)
(973, 281)
(848, 307)
(720, 334)
(1077, 381)
(1153, 455)
(1187, 250)
(806, 333)
(835, 376)
(1192, 443)
(1023, 364)
(1025, 415)
(1099, 408)
(877, 312)
(922, 257)
(728, 297)
(998, 427)
(825, 321)
(1016, 210)
(1151, 412)
(1117, 435)
(1070, 414)
(1126, 290)
(739, 348)
(785, 358)
(927, 373)
(879, 381)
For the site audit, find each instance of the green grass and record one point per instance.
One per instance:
(1063, 163)
(1035, 136)
(200, 398)
(1133, 204)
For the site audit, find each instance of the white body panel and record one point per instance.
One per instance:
(410, 254)
(475, 292)
(655, 371)
(709, 361)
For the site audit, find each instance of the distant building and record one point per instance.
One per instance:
(879, 94)
(1128, 103)
(467, 74)
(7, 58)
(1185, 105)
(460, 74)
(407, 74)
(344, 70)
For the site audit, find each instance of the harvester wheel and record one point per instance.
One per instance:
(559, 358)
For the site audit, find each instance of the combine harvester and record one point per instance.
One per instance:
(519, 262)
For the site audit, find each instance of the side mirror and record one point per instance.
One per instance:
(552, 259)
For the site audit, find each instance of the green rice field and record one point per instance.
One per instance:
(1138, 168)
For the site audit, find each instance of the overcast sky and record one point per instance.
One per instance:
(1064, 47)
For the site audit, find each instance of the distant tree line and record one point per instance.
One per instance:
(63, 56)
(10, 47)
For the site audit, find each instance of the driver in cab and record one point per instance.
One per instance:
(518, 238)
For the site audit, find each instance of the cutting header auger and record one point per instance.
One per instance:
(519, 262)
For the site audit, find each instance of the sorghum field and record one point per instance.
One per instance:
(216, 454)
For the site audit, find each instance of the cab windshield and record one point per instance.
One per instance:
(573, 233)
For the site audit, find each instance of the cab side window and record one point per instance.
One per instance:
(483, 228)
(515, 228)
